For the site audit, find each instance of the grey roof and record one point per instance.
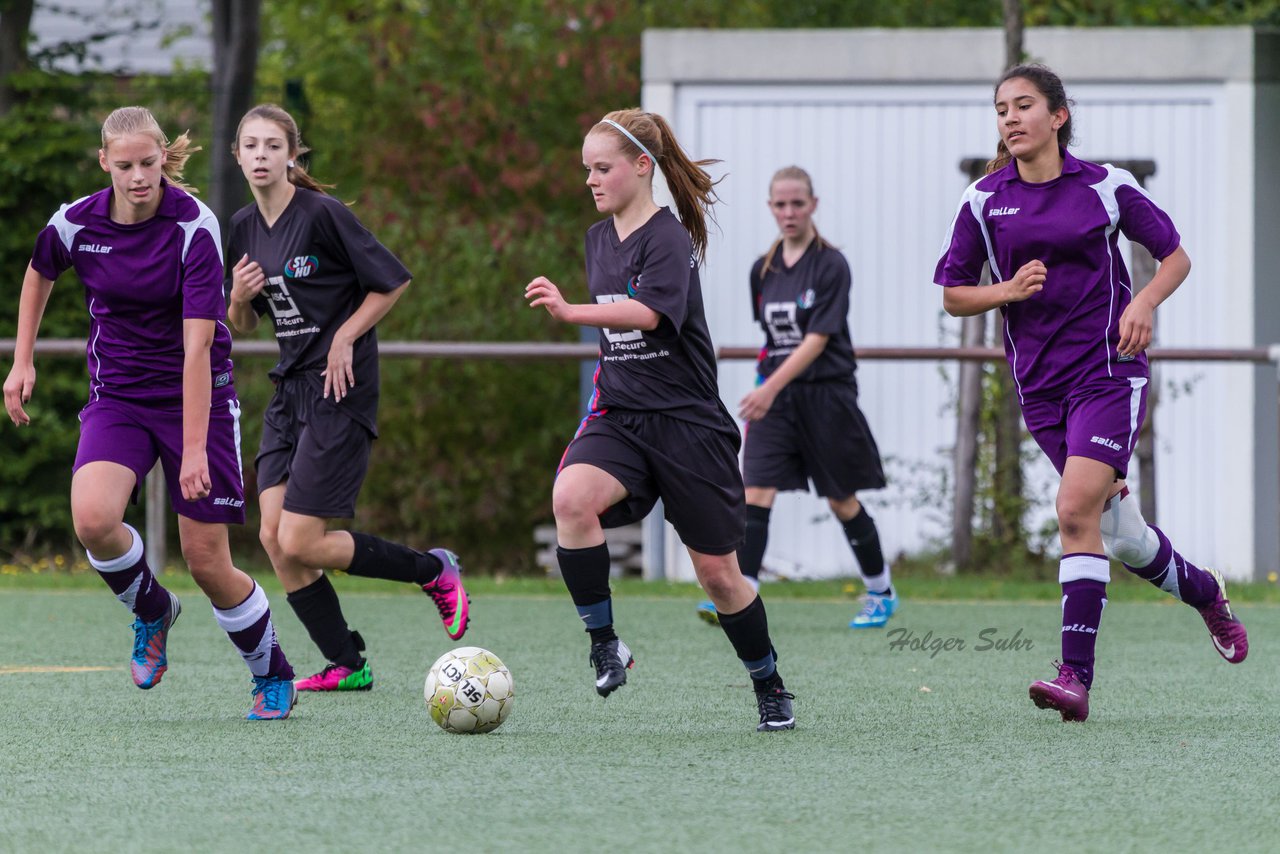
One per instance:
(123, 36)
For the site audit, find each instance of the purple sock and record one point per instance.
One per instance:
(249, 627)
(132, 581)
(1177, 576)
(1082, 604)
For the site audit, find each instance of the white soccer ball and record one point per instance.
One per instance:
(469, 690)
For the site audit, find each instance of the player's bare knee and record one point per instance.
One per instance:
(295, 544)
(574, 510)
(95, 530)
(719, 575)
(845, 508)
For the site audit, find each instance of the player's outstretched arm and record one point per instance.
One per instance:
(22, 376)
(624, 314)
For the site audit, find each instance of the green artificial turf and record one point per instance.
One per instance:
(895, 749)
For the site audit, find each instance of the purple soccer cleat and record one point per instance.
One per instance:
(448, 594)
(149, 661)
(1065, 694)
(1228, 634)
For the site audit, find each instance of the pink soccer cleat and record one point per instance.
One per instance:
(448, 594)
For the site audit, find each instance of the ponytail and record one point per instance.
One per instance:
(297, 174)
(139, 120)
(690, 184)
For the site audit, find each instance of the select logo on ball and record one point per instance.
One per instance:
(468, 690)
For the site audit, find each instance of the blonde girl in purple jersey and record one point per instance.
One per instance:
(1047, 225)
(161, 387)
(305, 261)
(657, 427)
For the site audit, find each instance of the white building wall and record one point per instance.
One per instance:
(885, 157)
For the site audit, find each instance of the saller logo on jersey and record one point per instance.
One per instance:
(1106, 443)
(301, 266)
(1003, 211)
(94, 248)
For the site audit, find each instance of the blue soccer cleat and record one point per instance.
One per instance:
(273, 698)
(876, 612)
(149, 661)
(708, 614)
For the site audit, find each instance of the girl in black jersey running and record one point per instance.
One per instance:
(656, 426)
(326, 281)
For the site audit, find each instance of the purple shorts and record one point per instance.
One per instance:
(1099, 420)
(136, 435)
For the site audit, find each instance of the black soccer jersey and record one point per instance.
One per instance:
(320, 263)
(671, 368)
(811, 296)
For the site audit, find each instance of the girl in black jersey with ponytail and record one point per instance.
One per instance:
(656, 426)
(326, 281)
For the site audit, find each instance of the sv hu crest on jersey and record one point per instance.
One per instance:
(633, 285)
(806, 299)
(301, 266)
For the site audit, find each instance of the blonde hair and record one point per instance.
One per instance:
(297, 174)
(126, 121)
(790, 173)
(690, 184)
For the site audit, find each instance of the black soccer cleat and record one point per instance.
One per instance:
(774, 702)
(612, 660)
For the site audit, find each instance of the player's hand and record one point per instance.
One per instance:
(339, 376)
(1027, 282)
(1136, 323)
(193, 478)
(543, 292)
(756, 403)
(17, 391)
(247, 280)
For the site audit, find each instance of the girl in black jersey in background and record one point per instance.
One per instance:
(804, 420)
(656, 426)
(306, 259)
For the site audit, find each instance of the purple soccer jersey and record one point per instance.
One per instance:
(141, 281)
(1067, 333)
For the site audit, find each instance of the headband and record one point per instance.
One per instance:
(631, 136)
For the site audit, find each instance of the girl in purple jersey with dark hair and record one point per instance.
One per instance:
(160, 387)
(657, 427)
(803, 417)
(1047, 225)
(326, 281)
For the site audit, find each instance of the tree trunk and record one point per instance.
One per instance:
(15, 24)
(235, 63)
(1014, 23)
(973, 334)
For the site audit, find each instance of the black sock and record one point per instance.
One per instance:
(586, 574)
(751, 553)
(864, 539)
(320, 613)
(748, 631)
(378, 558)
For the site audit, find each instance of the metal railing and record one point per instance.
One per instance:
(536, 350)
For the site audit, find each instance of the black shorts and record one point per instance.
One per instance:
(693, 469)
(322, 452)
(813, 431)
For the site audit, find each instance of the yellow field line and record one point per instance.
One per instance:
(53, 669)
